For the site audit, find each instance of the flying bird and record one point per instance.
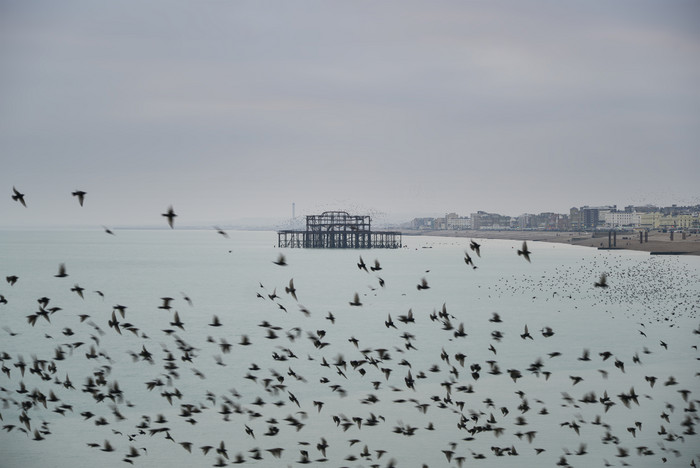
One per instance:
(121, 309)
(18, 197)
(61, 271)
(81, 196)
(361, 265)
(281, 261)
(78, 290)
(468, 260)
(114, 323)
(170, 215)
(166, 303)
(603, 282)
(221, 231)
(524, 252)
(291, 289)
(475, 247)
(215, 322)
(187, 299)
(177, 322)
(356, 300)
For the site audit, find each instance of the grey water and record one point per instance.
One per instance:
(450, 417)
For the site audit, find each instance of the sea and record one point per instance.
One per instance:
(417, 359)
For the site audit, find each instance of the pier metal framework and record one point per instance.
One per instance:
(338, 230)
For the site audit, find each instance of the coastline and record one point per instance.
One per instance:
(658, 243)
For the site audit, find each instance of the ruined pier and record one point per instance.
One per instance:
(338, 230)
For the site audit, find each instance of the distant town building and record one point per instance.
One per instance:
(575, 219)
(622, 219)
(578, 219)
(683, 221)
(451, 222)
(542, 221)
(455, 222)
(641, 209)
(423, 223)
(675, 210)
(650, 220)
(484, 220)
(590, 217)
(525, 221)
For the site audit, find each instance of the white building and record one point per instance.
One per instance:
(459, 223)
(455, 222)
(618, 219)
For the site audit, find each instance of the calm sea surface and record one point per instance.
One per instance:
(419, 393)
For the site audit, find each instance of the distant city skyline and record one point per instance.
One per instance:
(377, 218)
(576, 219)
(232, 111)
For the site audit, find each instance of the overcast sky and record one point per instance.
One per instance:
(235, 109)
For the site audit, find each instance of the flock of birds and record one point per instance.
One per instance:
(654, 290)
(291, 407)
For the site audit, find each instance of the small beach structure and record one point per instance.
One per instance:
(338, 230)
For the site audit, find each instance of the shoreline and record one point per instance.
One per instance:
(658, 243)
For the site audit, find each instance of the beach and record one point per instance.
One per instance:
(658, 242)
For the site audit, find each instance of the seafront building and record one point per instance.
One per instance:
(490, 221)
(660, 221)
(585, 218)
(650, 220)
(622, 219)
(588, 218)
(422, 224)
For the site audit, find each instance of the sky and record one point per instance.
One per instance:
(230, 111)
